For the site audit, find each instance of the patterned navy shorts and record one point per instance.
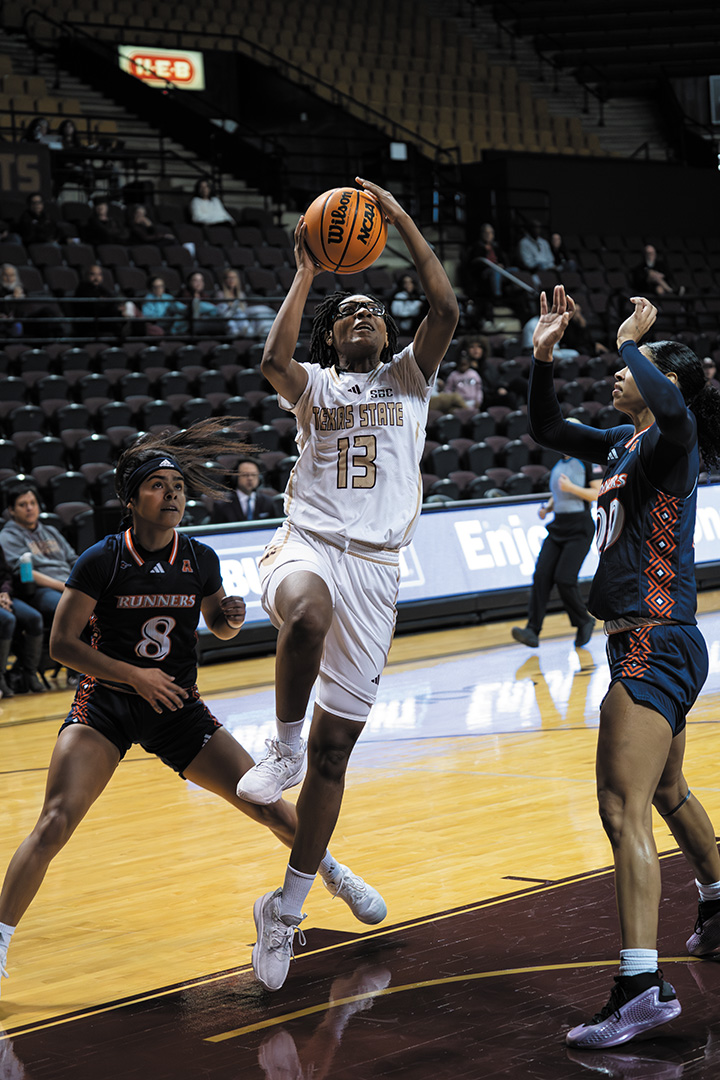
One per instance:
(175, 737)
(662, 667)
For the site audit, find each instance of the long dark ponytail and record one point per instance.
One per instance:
(701, 398)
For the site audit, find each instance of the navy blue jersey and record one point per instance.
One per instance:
(147, 611)
(645, 543)
(647, 501)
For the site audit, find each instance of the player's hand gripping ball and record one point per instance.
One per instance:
(345, 230)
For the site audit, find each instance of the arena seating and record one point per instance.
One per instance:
(426, 74)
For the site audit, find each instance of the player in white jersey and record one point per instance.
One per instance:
(331, 573)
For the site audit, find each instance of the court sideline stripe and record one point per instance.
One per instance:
(153, 995)
(425, 985)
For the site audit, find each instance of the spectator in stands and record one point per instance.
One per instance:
(562, 257)
(38, 130)
(710, 370)
(579, 336)
(466, 381)
(408, 306)
(200, 315)
(244, 319)
(52, 560)
(101, 227)
(495, 392)
(11, 290)
(526, 340)
(233, 307)
(143, 230)
(482, 284)
(650, 277)
(94, 291)
(7, 235)
(488, 248)
(71, 168)
(159, 305)
(246, 502)
(206, 208)
(35, 226)
(24, 625)
(534, 251)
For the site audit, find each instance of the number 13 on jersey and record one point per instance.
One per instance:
(358, 461)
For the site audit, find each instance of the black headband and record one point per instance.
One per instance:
(136, 477)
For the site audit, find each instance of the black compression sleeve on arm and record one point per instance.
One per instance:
(662, 397)
(547, 426)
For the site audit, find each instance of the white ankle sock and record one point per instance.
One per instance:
(290, 734)
(708, 892)
(637, 961)
(6, 932)
(294, 892)
(328, 868)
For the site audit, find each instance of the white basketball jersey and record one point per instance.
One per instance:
(360, 439)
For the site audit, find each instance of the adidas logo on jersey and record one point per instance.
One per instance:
(157, 569)
(354, 389)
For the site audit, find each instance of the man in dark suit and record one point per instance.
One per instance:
(246, 502)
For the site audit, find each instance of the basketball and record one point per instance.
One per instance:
(346, 231)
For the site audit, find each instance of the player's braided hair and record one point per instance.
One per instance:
(193, 448)
(701, 398)
(323, 354)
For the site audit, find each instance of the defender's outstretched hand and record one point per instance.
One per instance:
(552, 323)
(637, 324)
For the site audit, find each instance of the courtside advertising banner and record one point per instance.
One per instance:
(457, 551)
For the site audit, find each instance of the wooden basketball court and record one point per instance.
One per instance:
(470, 805)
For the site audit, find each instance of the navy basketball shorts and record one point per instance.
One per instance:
(661, 667)
(175, 737)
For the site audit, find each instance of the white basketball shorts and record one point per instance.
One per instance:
(363, 584)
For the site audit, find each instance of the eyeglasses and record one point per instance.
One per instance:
(350, 307)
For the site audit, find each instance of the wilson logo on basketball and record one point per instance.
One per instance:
(338, 220)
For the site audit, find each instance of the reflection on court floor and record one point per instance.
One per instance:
(470, 803)
(502, 690)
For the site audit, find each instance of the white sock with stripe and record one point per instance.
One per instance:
(637, 961)
(708, 892)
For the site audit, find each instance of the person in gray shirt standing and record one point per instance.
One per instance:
(563, 552)
(52, 559)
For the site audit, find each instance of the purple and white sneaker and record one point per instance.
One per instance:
(637, 1003)
(705, 939)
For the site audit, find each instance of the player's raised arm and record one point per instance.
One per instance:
(436, 330)
(278, 366)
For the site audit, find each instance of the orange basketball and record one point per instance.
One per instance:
(346, 230)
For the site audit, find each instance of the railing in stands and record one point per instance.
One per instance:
(443, 198)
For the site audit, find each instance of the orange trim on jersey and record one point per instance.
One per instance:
(136, 555)
(636, 436)
(131, 548)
